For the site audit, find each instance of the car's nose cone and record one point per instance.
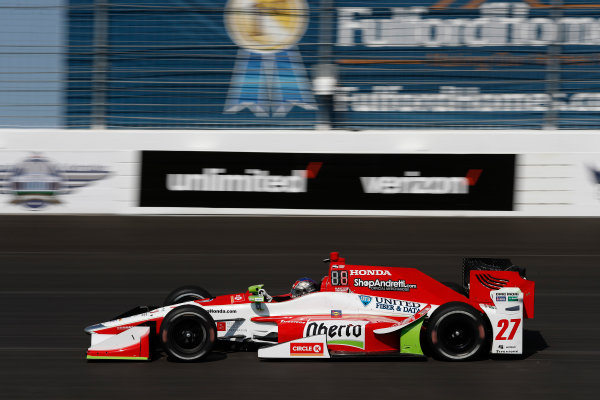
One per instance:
(93, 328)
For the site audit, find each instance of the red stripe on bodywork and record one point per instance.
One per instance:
(140, 349)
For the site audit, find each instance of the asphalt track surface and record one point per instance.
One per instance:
(60, 274)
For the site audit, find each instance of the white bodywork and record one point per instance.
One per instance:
(506, 319)
(124, 339)
(235, 319)
(308, 347)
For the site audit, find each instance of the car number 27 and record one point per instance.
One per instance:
(503, 324)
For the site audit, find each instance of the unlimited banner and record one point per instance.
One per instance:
(327, 181)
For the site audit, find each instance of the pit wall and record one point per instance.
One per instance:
(494, 173)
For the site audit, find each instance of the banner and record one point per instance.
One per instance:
(269, 76)
(467, 63)
(399, 63)
(197, 63)
(58, 182)
(327, 181)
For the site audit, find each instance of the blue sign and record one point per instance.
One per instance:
(401, 63)
(466, 63)
(269, 76)
(365, 299)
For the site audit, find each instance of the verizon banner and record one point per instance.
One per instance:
(327, 181)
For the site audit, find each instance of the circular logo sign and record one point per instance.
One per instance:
(266, 25)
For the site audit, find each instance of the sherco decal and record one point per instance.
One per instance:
(347, 333)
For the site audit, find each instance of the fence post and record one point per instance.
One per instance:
(324, 71)
(553, 68)
(99, 64)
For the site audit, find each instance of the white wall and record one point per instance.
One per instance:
(553, 176)
(387, 141)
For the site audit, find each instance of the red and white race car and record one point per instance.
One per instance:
(357, 310)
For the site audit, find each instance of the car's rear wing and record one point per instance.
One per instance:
(481, 276)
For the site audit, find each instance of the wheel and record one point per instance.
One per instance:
(188, 333)
(457, 332)
(186, 293)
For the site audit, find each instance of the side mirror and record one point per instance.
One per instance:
(254, 291)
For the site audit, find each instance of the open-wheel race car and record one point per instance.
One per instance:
(356, 310)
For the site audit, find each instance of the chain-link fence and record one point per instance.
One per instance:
(341, 64)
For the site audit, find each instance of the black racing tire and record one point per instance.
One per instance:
(457, 332)
(188, 333)
(186, 293)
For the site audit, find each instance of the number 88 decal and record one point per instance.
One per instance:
(503, 324)
(339, 278)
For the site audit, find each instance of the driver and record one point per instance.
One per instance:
(303, 286)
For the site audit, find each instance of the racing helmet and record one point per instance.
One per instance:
(303, 286)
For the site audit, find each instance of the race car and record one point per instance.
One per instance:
(355, 311)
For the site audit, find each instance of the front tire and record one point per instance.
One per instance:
(186, 293)
(188, 333)
(457, 332)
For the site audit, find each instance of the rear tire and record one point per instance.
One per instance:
(457, 332)
(186, 293)
(188, 333)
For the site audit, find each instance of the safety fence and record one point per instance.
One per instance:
(300, 64)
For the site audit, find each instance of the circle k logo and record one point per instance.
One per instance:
(306, 349)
